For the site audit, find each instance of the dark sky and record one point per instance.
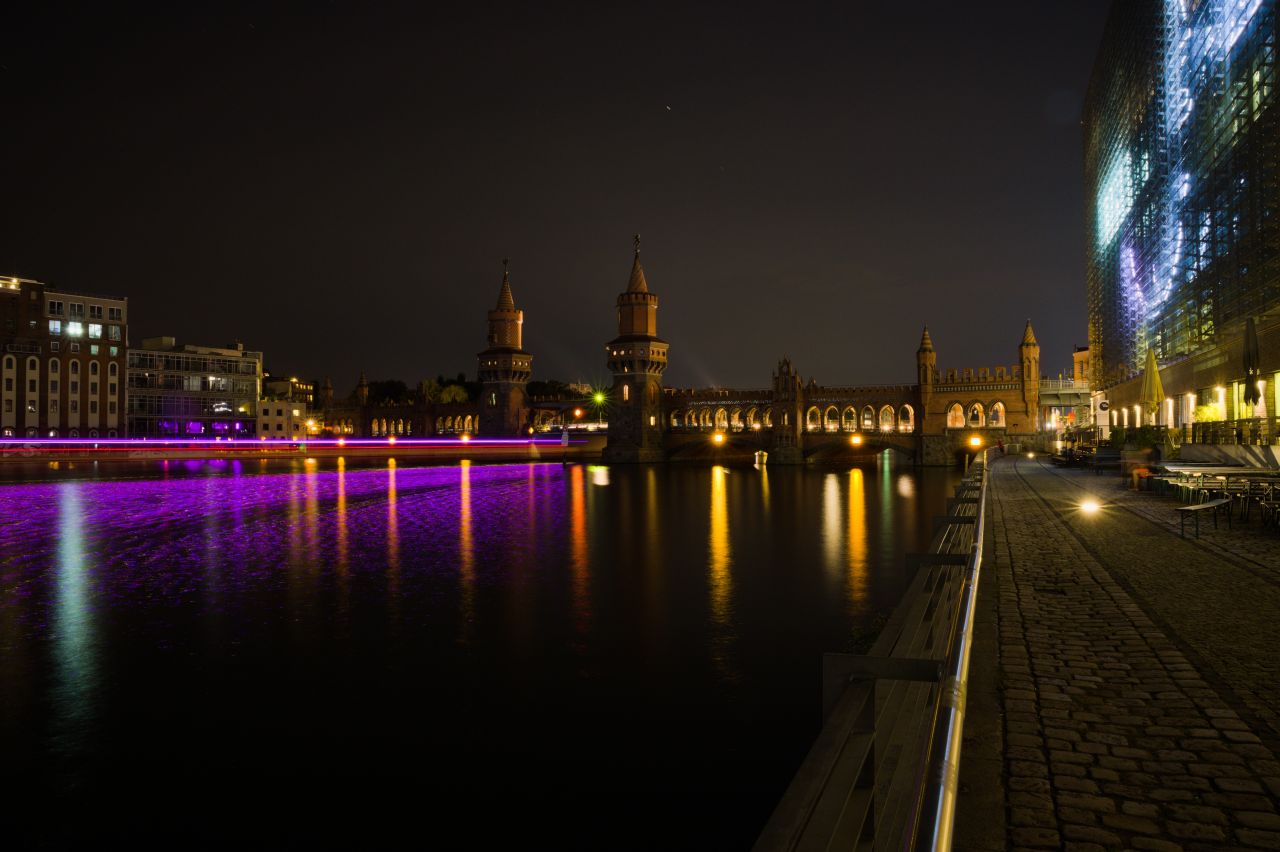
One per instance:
(336, 183)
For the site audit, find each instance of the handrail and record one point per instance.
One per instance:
(883, 772)
(935, 819)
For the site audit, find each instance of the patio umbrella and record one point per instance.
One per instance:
(1252, 363)
(1152, 388)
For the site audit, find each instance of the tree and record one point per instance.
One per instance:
(454, 393)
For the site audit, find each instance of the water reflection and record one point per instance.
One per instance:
(720, 564)
(393, 539)
(578, 571)
(342, 564)
(831, 525)
(857, 540)
(466, 550)
(74, 652)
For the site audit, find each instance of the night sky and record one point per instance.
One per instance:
(336, 185)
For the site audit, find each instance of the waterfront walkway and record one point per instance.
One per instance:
(1126, 688)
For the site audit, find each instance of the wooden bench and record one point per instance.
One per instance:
(1211, 506)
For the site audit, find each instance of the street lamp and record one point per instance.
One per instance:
(856, 440)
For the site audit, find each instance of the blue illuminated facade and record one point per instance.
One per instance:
(1181, 161)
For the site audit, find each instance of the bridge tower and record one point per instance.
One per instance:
(637, 358)
(788, 415)
(504, 368)
(926, 368)
(1029, 356)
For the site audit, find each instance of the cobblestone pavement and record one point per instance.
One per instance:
(1139, 673)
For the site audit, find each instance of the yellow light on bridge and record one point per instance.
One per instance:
(391, 439)
(464, 437)
(342, 442)
(577, 412)
(856, 440)
(718, 438)
(975, 442)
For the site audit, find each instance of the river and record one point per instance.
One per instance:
(315, 654)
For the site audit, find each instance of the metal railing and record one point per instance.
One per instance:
(1252, 431)
(883, 772)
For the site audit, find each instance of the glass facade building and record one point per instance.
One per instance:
(193, 391)
(1182, 170)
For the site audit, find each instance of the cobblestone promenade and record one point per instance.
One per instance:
(1127, 690)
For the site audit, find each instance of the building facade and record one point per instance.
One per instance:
(1182, 168)
(284, 420)
(63, 362)
(193, 391)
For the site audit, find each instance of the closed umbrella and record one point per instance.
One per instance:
(1152, 388)
(1252, 364)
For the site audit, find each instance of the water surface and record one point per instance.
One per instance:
(288, 655)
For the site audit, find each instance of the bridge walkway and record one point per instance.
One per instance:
(1133, 691)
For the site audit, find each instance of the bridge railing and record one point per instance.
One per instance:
(883, 772)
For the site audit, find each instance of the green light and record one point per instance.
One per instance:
(599, 397)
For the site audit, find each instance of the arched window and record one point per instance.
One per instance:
(955, 416)
(975, 414)
(849, 419)
(53, 366)
(813, 419)
(74, 366)
(112, 368)
(995, 417)
(93, 368)
(32, 365)
(831, 419)
(906, 418)
(9, 362)
(868, 418)
(626, 393)
(886, 419)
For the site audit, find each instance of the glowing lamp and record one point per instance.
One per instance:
(577, 412)
(342, 442)
(391, 439)
(717, 438)
(856, 440)
(1089, 506)
(975, 441)
(598, 397)
(464, 437)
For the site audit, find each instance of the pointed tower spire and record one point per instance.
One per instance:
(926, 342)
(505, 300)
(637, 284)
(1029, 336)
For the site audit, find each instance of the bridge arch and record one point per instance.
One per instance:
(735, 419)
(906, 419)
(767, 419)
(831, 419)
(955, 416)
(888, 422)
(868, 418)
(722, 419)
(813, 419)
(995, 414)
(976, 416)
(849, 419)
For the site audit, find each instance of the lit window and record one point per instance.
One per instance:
(93, 348)
(115, 350)
(626, 393)
(75, 329)
(55, 326)
(95, 330)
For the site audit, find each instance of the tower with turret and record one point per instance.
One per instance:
(926, 368)
(1029, 360)
(504, 368)
(637, 357)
